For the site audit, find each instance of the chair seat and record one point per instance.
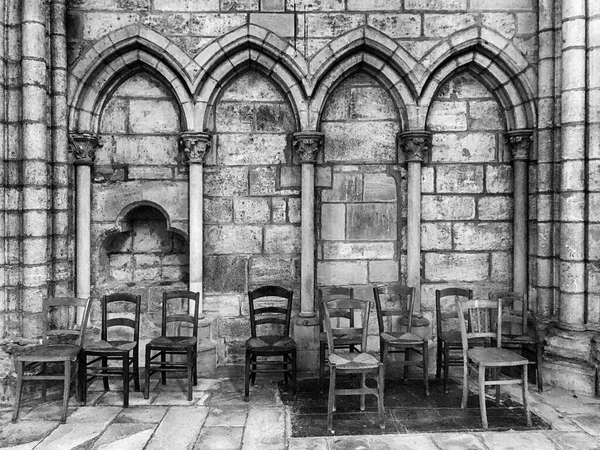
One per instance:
(401, 338)
(495, 357)
(271, 343)
(50, 353)
(172, 342)
(353, 361)
(110, 346)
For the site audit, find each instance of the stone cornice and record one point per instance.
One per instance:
(519, 142)
(196, 145)
(84, 145)
(308, 144)
(415, 144)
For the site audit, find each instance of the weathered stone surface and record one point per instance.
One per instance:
(455, 441)
(233, 239)
(262, 181)
(217, 437)
(294, 210)
(98, 24)
(356, 250)
(269, 269)
(436, 5)
(225, 273)
(371, 221)
(482, 236)
(383, 271)
(347, 187)
(333, 221)
(282, 239)
(223, 305)
(495, 208)
(396, 25)
(187, 420)
(251, 210)
(278, 210)
(379, 187)
(280, 24)
(456, 266)
(498, 179)
(448, 116)
(215, 24)
(217, 210)
(360, 141)
(374, 5)
(436, 236)
(460, 178)
(265, 429)
(447, 207)
(225, 181)
(441, 25)
(290, 177)
(133, 149)
(501, 266)
(332, 25)
(153, 116)
(341, 273)
(245, 149)
(509, 5)
(472, 147)
(371, 103)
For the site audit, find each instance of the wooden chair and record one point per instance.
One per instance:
(483, 358)
(345, 362)
(175, 317)
(516, 333)
(449, 342)
(63, 330)
(395, 310)
(270, 316)
(119, 340)
(333, 293)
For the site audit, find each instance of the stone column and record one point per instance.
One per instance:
(415, 145)
(83, 146)
(195, 145)
(572, 168)
(519, 142)
(308, 144)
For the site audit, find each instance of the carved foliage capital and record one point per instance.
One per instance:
(196, 145)
(308, 144)
(415, 145)
(83, 146)
(519, 142)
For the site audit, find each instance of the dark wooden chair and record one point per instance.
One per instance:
(343, 362)
(517, 334)
(449, 342)
(395, 311)
(63, 330)
(484, 315)
(119, 341)
(333, 293)
(270, 316)
(175, 319)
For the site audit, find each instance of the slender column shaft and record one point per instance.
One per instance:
(308, 144)
(196, 144)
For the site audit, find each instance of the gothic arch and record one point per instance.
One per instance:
(502, 69)
(124, 52)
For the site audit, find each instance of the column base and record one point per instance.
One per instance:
(306, 335)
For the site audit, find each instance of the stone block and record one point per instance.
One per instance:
(239, 5)
(290, 177)
(234, 328)
(251, 87)
(372, 221)
(508, 5)
(232, 239)
(272, 5)
(280, 24)
(251, 210)
(501, 266)
(397, 25)
(97, 24)
(383, 271)
(427, 180)
(243, 149)
(333, 221)
(223, 305)
(235, 117)
(294, 210)
(459, 178)
(332, 25)
(153, 116)
(436, 5)
(215, 24)
(495, 208)
(282, 239)
(272, 270)
(436, 236)
(471, 147)
(498, 179)
(503, 23)
(360, 141)
(358, 250)
(225, 273)
(341, 273)
(226, 181)
(447, 116)
(217, 210)
(347, 187)
(148, 150)
(265, 429)
(371, 103)
(458, 267)
(379, 187)
(148, 173)
(482, 236)
(278, 210)
(262, 180)
(188, 420)
(114, 118)
(485, 115)
(447, 207)
(323, 176)
(442, 25)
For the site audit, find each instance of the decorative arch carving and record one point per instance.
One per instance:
(122, 225)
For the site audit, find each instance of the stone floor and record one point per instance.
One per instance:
(218, 418)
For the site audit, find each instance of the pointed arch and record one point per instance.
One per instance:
(127, 51)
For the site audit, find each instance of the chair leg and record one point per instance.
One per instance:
(253, 371)
(496, 378)
(44, 384)
(163, 374)
(438, 359)
(526, 397)
(105, 378)
(465, 391)
(426, 367)
(294, 371)
(446, 367)
(363, 385)
(190, 373)
(380, 396)
(125, 380)
(147, 374)
(82, 369)
(406, 361)
(19, 391)
(331, 399)
(481, 374)
(539, 353)
(321, 362)
(67, 383)
(195, 361)
(136, 370)
(247, 377)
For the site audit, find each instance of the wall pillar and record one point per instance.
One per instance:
(308, 144)
(415, 145)
(195, 145)
(83, 146)
(519, 142)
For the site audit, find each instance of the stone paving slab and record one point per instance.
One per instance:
(179, 429)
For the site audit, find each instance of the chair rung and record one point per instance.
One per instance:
(43, 377)
(374, 391)
(498, 382)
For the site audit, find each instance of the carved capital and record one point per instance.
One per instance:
(519, 142)
(196, 145)
(415, 145)
(83, 146)
(308, 144)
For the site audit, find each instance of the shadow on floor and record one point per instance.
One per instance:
(407, 410)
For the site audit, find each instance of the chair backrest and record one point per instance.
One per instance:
(483, 314)
(394, 300)
(334, 293)
(176, 310)
(333, 308)
(447, 312)
(118, 310)
(65, 319)
(273, 310)
(514, 312)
